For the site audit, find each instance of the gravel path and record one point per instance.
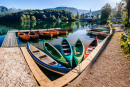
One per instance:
(111, 69)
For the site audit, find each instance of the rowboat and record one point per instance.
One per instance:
(66, 50)
(70, 29)
(91, 47)
(55, 54)
(33, 35)
(43, 34)
(46, 61)
(63, 32)
(78, 50)
(97, 32)
(23, 36)
(54, 32)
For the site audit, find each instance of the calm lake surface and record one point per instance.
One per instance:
(79, 31)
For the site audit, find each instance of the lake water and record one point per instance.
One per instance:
(79, 31)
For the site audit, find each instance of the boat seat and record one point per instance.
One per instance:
(65, 45)
(43, 56)
(35, 51)
(67, 53)
(90, 49)
(78, 52)
(52, 63)
(64, 42)
(66, 48)
(78, 43)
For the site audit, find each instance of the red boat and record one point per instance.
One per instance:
(63, 32)
(45, 34)
(54, 32)
(91, 47)
(23, 36)
(33, 35)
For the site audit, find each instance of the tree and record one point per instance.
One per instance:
(98, 15)
(77, 16)
(33, 18)
(105, 13)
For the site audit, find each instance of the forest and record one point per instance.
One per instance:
(37, 15)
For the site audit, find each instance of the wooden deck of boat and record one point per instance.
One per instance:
(10, 40)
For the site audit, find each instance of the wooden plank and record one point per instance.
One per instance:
(42, 79)
(10, 40)
(14, 71)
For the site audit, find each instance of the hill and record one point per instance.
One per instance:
(15, 10)
(4, 10)
(71, 9)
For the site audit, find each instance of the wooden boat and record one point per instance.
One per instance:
(33, 35)
(46, 61)
(63, 32)
(78, 50)
(23, 36)
(43, 34)
(97, 32)
(54, 32)
(91, 47)
(66, 50)
(70, 29)
(55, 54)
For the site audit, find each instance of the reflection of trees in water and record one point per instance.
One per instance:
(83, 24)
(77, 24)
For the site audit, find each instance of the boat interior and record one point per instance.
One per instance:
(52, 51)
(66, 47)
(78, 48)
(42, 56)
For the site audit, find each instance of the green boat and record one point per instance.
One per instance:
(78, 50)
(55, 54)
(66, 50)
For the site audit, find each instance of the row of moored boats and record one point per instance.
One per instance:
(61, 62)
(41, 34)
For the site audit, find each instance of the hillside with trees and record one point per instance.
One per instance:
(38, 15)
(4, 10)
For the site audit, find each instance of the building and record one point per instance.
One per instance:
(89, 15)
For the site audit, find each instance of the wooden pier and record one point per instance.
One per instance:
(10, 40)
(14, 70)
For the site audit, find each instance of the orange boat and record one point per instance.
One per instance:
(70, 29)
(91, 47)
(33, 35)
(23, 36)
(45, 34)
(54, 32)
(63, 32)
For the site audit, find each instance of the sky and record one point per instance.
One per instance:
(43, 4)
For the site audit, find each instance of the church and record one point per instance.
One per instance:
(89, 15)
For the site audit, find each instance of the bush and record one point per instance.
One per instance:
(113, 26)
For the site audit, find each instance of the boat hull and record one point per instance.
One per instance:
(55, 54)
(67, 51)
(78, 50)
(23, 36)
(58, 68)
(91, 47)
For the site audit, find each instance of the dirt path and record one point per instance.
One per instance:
(111, 69)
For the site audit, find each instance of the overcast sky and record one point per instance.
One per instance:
(42, 4)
